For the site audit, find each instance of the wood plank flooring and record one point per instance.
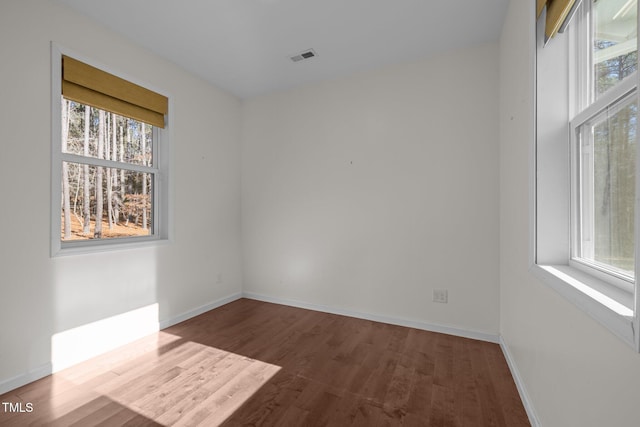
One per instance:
(251, 363)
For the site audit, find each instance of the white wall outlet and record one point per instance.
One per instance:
(219, 278)
(440, 295)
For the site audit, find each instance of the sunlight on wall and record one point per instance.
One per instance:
(78, 344)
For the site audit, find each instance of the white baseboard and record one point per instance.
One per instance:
(48, 369)
(450, 330)
(199, 310)
(515, 373)
(26, 378)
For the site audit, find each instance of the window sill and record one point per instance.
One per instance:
(91, 246)
(608, 304)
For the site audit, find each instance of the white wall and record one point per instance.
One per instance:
(41, 296)
(575, 372)
(366, 193)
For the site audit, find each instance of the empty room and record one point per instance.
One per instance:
(305, 212)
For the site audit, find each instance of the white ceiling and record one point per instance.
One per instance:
(244, 46)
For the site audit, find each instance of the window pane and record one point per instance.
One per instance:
(122, 137)
(607, 187)
(122, 199)
(615, 50)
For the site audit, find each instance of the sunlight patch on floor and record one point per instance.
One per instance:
(173, 381)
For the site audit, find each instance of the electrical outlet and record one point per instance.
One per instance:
(219, 278)
(440, 295)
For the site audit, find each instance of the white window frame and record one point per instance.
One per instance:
(160, 170)
(609, 300)
(622, 90)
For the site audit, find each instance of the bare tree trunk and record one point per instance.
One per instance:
(86, 207)
(114, 171)
(123, 182)
(143, 149)
(99, 204)
(66, 208)
(107, 153)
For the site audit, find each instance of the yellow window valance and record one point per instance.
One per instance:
(89, 85)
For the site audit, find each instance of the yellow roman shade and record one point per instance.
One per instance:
(557, 12)
(89, 85)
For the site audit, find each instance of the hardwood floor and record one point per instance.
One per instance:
(251, 363)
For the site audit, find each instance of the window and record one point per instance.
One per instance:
(585, 165)
(109, 163)
(604, 140)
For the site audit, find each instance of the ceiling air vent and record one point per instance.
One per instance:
(307, 54)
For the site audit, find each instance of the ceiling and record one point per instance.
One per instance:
(244, 46)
